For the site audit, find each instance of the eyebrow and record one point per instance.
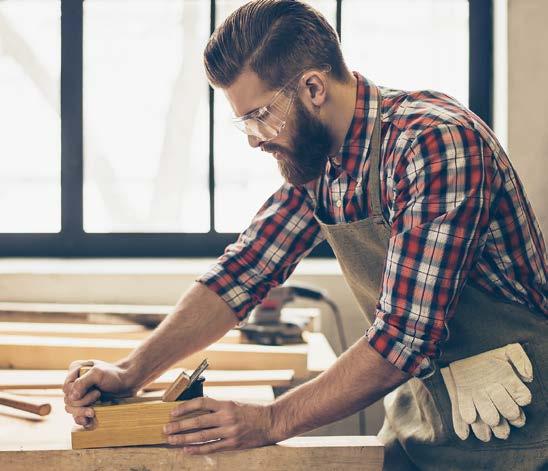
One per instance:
(251, 111)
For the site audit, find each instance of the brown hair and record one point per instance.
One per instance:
(274, 38)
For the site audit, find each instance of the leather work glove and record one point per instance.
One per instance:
(486, 392)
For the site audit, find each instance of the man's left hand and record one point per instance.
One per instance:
(233, 426)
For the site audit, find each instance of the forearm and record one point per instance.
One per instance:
(200, 318)
(357, 379)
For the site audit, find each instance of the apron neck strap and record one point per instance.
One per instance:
(374, 187)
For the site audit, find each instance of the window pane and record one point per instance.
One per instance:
(244, 177)
(146, 122)
(30, 149)
(409, 45)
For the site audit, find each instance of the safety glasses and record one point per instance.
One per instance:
(267, 122)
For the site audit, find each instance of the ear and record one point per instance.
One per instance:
(315, 88)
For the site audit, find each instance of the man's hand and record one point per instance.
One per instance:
(233, 426)
(200, 318)
(81, 392)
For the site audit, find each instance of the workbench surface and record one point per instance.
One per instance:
(28, 441)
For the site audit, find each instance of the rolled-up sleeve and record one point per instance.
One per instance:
(281, 234)
(439, 218)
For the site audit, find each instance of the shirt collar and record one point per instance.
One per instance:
(355, 148)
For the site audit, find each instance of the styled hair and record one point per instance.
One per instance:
(274, 38)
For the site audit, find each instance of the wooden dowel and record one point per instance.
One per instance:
(28, 405)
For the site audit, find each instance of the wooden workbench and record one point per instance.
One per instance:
(43, 443)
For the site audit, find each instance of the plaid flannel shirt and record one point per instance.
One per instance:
(457, 210)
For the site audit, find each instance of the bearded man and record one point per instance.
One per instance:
(434, 235)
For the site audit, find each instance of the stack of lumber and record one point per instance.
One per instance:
(39, 341)
(29, 352)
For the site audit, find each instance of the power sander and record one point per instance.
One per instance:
(265, 326)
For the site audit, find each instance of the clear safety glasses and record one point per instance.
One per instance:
(267, 122)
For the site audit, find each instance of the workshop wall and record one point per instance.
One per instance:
(528, 99)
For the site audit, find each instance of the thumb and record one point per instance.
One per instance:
(85, 382)
(517, 356)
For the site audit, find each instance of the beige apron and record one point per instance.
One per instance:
(418, 428)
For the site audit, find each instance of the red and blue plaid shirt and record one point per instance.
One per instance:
(457, 210)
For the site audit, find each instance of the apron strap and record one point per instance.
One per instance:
(374, 186)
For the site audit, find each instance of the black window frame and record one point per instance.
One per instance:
(73, 241)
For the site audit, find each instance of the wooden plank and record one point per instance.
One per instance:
(347, 453)
(149, 315)
(25, 352)
(105, 331)
(28, 441)
(95, 313)
(139, 423)
(54, 379)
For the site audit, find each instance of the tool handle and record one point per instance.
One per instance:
(28, 405)
(84, 369)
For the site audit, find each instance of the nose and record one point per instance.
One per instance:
(254, 141)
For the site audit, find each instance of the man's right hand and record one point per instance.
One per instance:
(82, 391)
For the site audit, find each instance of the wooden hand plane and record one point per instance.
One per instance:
(138, 420)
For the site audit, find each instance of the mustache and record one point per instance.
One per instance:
(273, 148)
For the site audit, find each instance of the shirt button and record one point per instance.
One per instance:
(339, 203)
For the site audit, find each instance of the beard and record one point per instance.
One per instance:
(311, 141)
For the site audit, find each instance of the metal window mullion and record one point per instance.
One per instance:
(71, 122)
(338, 19)
(481, 59)
(212, 21)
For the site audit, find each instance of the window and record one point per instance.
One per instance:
(136, 155)
(30, 145)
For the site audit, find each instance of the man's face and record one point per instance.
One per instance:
(302, 146)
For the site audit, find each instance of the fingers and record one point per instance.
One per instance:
(481, 430)
(199, 436)
(89, 398)
(520, 421)
(81, 415)
(201, 421)
(82, 421)
(467, 408)
(502, 429)
(80, 411)
(219, 445)
(486, 410)
(199, 403)
(503, 402)
(74, 371)
(517, 356)
(83, 384)
(462, 429)
(518, 391)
